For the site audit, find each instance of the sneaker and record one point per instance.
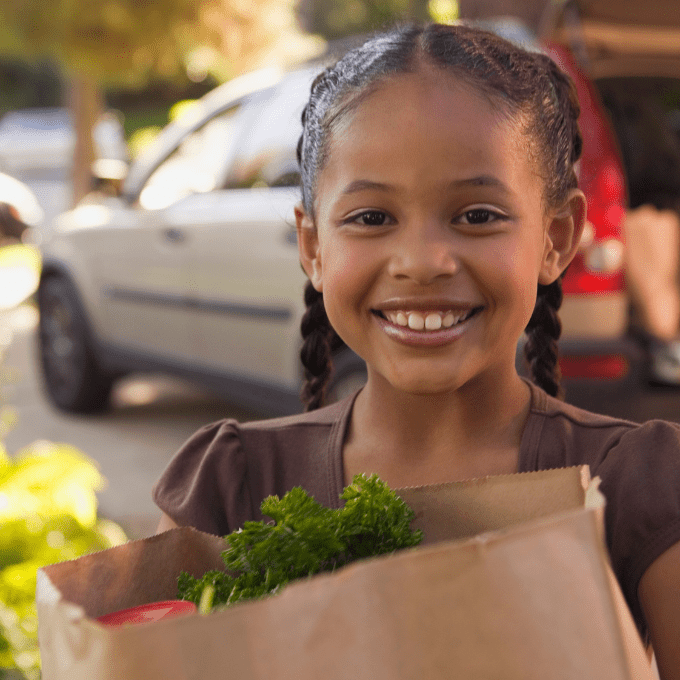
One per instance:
(665, 362)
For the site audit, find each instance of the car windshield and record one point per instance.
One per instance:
(265, 156)
(196, 165)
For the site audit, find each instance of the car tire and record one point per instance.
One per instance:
(72, 378)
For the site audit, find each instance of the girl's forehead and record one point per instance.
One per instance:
(427, 129)
(429, 86)
(429, 101)
(430, 106)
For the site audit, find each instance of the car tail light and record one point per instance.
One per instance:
(610, 366)
(598, 266)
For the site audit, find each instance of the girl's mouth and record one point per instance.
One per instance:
(426, 321)
(424, 326)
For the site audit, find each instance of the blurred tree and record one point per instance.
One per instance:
(96, 43)
(24, 85)
(254, 34)
(131, 41)
(341, 18)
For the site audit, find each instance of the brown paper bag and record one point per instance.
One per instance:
(523, 592)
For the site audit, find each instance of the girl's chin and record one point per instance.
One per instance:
(423, 384)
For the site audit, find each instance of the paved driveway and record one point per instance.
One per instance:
(151, 417)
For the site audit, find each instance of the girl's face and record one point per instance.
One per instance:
(431, 235)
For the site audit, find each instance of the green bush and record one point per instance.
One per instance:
(48, 514)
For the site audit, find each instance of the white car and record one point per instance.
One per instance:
(194, 268)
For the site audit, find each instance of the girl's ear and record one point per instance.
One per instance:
(308, 247)
(562, 237)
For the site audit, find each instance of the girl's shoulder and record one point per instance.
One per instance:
(620, 451)
(218, 478)
(562, 424)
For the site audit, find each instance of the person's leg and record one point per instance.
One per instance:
(652, 264)
(652, 274)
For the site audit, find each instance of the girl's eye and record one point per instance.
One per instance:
(478, 216)
(370, 218)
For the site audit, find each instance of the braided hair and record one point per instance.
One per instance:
(525, 86)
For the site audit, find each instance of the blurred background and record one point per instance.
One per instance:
(149, 280)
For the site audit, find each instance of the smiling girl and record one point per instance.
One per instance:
(439, 210)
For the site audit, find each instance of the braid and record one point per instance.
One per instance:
(320, 341)
(560, 129)
(543, 331)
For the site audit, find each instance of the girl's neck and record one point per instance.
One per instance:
(412, 439)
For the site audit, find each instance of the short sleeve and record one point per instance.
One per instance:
(205, 484)
(641, 482)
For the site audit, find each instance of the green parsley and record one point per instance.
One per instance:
(304, 538)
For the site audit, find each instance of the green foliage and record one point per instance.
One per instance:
(342, 18)
(114, 41)
(305, 538)
(47, 515)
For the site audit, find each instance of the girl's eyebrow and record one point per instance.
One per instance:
(479, 180)
(366, 185)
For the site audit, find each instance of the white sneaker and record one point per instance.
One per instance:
(665, 362)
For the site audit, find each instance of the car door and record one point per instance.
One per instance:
(247, 282)
(143, 260)
(246, 286)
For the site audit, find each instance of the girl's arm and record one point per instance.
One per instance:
(659, 594)
(166, 523)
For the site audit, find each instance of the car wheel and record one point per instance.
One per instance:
(73, 380)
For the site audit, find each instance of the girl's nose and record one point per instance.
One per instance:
(423, 253)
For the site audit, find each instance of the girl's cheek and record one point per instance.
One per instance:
(347, 284)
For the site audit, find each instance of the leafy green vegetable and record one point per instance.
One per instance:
(304, 538)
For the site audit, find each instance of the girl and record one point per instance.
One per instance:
(439, 210)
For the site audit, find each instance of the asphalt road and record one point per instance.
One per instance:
(152, 416)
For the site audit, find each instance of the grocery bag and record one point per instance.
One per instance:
(512, 582)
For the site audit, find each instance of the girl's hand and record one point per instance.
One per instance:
(659, 594)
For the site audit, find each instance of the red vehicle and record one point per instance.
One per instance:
(596, 344)
(624, 58)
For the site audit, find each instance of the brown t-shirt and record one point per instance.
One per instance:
(218, 479)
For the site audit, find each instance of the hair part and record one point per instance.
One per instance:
(525, 86)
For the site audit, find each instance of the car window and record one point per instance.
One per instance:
(195, 166)
(265, 156)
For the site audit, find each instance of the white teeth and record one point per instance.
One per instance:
(416, 321)
(433, 322)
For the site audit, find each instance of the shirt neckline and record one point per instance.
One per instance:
(528, 448)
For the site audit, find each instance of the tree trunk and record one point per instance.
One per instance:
(86, 107)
